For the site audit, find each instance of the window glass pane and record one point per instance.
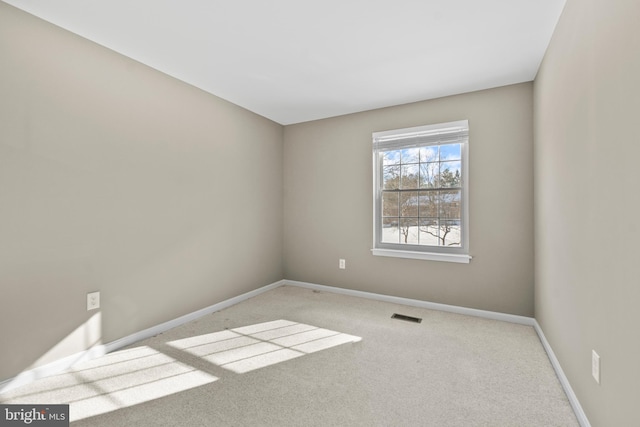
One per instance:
(390, 230)
(409, 179)
(390, 204)
(429, 175)
(428, 232)
(409, 203)
(410, 155)
(391, 177)
(450, 204)
(409, 231)
(391, 158)
(450, 152)
(450, 233)
(450, 174)
(428, 204)
(429, 154)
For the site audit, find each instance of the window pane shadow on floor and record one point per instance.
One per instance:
(247, 348)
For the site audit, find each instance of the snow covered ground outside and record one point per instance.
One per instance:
(426, 236)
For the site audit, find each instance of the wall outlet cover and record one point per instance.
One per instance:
(93, 300)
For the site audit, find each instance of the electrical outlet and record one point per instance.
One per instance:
(342, 264)
(93, 300)
(595, 366)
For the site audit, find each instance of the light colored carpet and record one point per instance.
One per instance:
(297, 357)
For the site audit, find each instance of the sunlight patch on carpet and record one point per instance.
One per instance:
(256, 346)
(115, 381)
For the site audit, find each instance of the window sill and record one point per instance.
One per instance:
(428, 256)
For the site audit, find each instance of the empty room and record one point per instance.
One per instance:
(319, 213)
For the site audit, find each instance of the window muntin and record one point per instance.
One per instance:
(420, 178)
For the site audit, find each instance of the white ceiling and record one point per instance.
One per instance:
(295, 60)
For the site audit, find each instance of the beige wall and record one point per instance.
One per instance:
(329, 199)
(587, 101)
(115, 177)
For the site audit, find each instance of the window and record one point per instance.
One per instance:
(421, 179)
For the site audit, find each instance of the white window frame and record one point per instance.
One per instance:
(436, 134)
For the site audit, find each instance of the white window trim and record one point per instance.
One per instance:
(428, 256)
(459, 256)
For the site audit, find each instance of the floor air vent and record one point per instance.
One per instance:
(407, 318)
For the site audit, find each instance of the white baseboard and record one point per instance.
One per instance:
(512, 318)
(155, 330)
(573, 399)
(60, 365)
